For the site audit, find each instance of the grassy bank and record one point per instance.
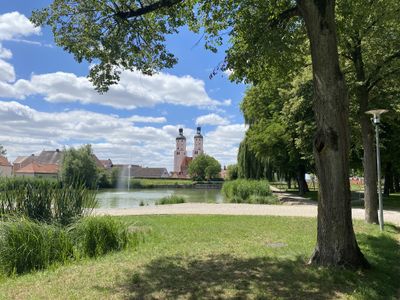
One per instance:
(150, 183)
(219, 257)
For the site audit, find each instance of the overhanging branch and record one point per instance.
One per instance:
(286, 15)
(147, 9)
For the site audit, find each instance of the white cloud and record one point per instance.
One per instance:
(7, 72)
(142, 119)
(24, 130)
(5, 53)
(134, 90)
(14, 25)
(211, 119)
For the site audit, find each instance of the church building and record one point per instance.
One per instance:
(181, 160)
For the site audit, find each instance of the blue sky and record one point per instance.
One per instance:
(46, 102)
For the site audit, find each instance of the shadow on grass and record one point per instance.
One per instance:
(225, 276)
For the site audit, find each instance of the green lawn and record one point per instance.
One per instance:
(220, 257)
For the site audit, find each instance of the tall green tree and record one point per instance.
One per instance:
(204, 167)
(79, 166)
(120, 35)
(282, 132)
(369, 36)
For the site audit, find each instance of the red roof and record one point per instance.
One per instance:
(4, 162)
(35, 168)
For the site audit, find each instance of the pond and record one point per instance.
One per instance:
(133, 198)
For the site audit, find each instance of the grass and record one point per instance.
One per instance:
(220, 257)
(150, 183)
(96, 236)
(171, 200)
(26, 245)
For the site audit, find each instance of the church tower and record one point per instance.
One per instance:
(180, 151)
(198, 143)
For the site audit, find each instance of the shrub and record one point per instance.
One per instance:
(136, 183)
(171, 200)
(26, 245)
(248, 191)
(95, 236)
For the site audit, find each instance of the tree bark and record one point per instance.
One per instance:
(388, 186)
(396, 178)
(301, 180)
(370, 176)
(336, 242)
(367, 136)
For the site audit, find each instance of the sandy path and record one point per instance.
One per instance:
(309, 210)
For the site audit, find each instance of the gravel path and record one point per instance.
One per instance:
(304, 210)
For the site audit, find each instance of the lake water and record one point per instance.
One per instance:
(125, 199)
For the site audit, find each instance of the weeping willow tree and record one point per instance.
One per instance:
(252, 167)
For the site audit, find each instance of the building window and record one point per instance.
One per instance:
(177, 153)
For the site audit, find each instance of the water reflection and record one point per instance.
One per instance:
(133, 198)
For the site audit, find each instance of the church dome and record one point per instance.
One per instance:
(180, 136)
(198, 133)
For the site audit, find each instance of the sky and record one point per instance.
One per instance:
(46, 101)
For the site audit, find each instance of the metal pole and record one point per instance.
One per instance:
(378, 165)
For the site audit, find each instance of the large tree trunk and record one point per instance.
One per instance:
(388, 187)
(370, 176)
(367, 135)
(336, 242)
(301, 180)
(396, 178)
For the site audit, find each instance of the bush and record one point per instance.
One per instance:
(136, 183)
(95, 236)
(45, 200)
(26, 245)
(171, 200)
(248, 191)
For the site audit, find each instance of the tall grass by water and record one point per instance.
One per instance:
(96, 236)
(45, 200)
(171, 200)
(26, 245)
(248, 191)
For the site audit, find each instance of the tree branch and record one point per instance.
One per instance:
(374, 78)
(286, 15)
(147, 9)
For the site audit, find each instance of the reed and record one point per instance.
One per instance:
(45, 200)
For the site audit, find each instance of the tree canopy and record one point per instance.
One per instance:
(204, 167)
(79, 166)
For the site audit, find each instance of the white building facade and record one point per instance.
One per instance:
(180, 151)
(198, 144)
